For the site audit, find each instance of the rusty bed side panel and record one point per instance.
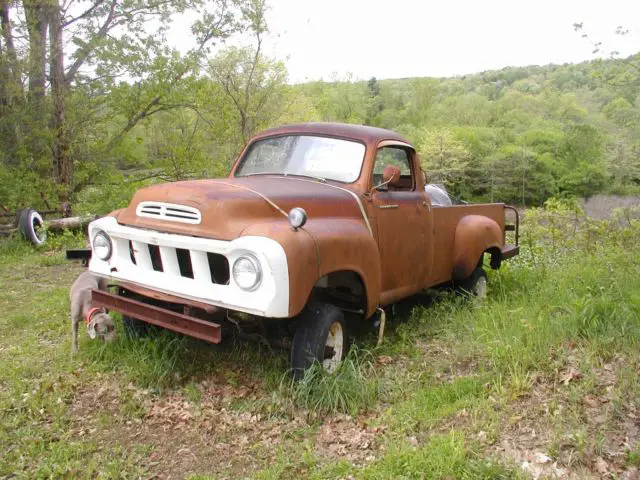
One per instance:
(177, 322)
(445, 221)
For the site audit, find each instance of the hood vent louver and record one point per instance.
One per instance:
(169, 212)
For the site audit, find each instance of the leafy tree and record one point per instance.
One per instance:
(444, 157)
(254, 83)
(109, 39)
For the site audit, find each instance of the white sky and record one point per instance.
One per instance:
(320, 39)
(405, 38)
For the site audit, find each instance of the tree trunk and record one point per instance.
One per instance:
(71, 223)
(35, 14)
(36, 131)
(55, 225)
(62, 164)
(10, 87)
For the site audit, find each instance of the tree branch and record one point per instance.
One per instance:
(87, 50)
(7, 35)
(85, 14)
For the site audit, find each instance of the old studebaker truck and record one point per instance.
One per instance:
(315, 222)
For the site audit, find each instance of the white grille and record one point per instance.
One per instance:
(169, 212)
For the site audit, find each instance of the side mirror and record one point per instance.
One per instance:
(391, 175)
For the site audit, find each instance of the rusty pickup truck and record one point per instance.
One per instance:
(315, 223)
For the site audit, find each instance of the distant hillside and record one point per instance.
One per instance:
(514, 134)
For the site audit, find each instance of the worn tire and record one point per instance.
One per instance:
(316, 324)
(475, 284)
(31, 226)
(135, 328)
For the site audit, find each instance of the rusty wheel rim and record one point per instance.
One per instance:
(334, 347)
(480, 288)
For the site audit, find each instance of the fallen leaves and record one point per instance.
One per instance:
(602, 468)
(570, 374)
(535, 463)
(344, 437)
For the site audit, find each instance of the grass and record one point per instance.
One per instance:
(351, 389)
(444, 456)
(455, 391)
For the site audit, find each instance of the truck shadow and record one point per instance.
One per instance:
(401, 311)
(168, 360)
(365, 334)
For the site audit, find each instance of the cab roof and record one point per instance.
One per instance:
(362, 133)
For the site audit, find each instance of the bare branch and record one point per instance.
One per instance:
(86, 51)
(85, 14)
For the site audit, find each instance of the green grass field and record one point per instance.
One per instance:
(539, 380)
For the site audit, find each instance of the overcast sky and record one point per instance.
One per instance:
(405, 38)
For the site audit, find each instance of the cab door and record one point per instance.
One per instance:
(404, 224)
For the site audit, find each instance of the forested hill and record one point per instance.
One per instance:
(119, 116)
(531, 132)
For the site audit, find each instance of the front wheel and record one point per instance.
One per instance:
(476, 283)
(321, 337)
(135, 328)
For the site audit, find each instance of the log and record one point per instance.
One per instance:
(7, 230)
(69, 223)
(57, 225)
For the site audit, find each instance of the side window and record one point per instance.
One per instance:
(398, 157)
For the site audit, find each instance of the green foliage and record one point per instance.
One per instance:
(518, 135)
(72, 131)
(439, 394)
(444, 456)
(445, 158)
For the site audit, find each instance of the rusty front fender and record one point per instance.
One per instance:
(475, 234)
(323, 246)
(345, 244)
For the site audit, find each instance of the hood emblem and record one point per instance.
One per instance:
(169, 211)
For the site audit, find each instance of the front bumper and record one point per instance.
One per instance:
(161, 317)
(131, 262)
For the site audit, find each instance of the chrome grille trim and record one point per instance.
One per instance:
(169, 212)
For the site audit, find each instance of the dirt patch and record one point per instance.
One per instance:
(557, 432)
(601, 206)
(211, 436)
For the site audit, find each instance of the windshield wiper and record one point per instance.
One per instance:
(253, 174)
(284, 174)
(320, 179)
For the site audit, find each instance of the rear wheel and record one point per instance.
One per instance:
(476, 284)
(321, 337)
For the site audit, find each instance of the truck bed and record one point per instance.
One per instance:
(445, 220)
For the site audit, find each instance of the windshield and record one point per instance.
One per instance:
(317, 157)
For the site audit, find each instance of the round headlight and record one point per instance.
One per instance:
(102, 246)
(246, 272)
(297, 217)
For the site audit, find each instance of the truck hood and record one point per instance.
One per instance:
(228, 206)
